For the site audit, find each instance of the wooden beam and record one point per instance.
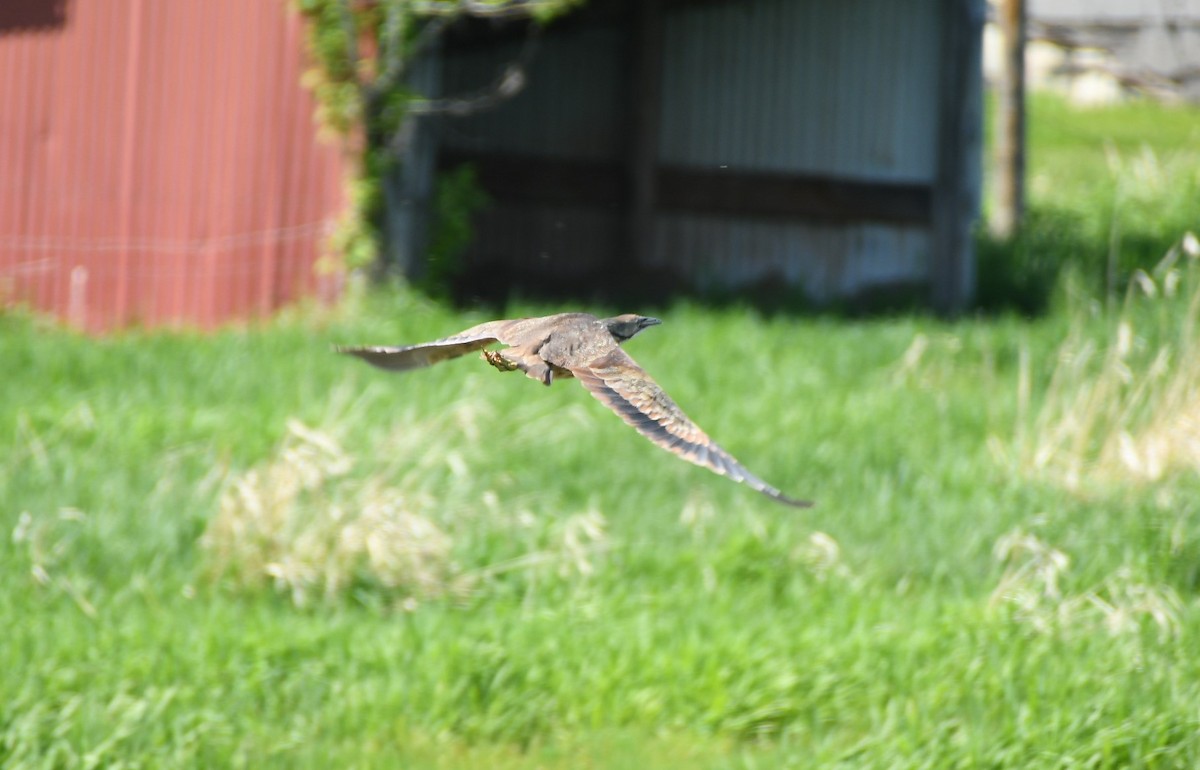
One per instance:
(775, 195)
(533, 180)
(1008, 203)
(514, 178)
(955, 191)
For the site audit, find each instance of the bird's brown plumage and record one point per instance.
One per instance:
(588, 348)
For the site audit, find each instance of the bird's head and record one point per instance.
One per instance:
(625, 326)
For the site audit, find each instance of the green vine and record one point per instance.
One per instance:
(358, 49)
(457, 197)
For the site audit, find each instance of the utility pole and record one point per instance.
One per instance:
(1009, 164)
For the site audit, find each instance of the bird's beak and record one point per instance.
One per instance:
(648, 321)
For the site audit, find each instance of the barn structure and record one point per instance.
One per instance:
(833, 147)
(159, 163)
(1102, 50)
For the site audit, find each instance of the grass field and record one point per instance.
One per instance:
(1109, 189)
(240, 550)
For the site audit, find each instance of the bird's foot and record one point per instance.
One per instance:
(497, 359)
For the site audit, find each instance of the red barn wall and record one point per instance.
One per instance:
(159, 164)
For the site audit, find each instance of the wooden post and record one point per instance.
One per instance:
(1009, 190)
(409, 186)
(955, 201)
(644, 121)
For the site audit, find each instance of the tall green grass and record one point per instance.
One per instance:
(572, 595)
(239, 549)
(1109, 190)
(1127, 407)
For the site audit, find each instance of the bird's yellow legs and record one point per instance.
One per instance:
(496, 359)
(534, 367)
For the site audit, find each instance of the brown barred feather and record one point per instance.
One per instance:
(623, 386)
(588, 348)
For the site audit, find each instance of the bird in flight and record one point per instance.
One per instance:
(587, 348)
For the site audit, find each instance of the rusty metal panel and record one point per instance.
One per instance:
(159, 162)
(843, 89)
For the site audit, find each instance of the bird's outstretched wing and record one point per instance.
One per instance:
(618, 382)
(402, 359)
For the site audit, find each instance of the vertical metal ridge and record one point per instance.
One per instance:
(159, 162)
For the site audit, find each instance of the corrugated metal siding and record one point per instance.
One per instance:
(158, 162)
(826, 260)
(571, 107)
(548, 243)
(844, 88)
(409, 186)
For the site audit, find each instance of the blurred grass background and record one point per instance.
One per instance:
(1109, 189)
(241, 550)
